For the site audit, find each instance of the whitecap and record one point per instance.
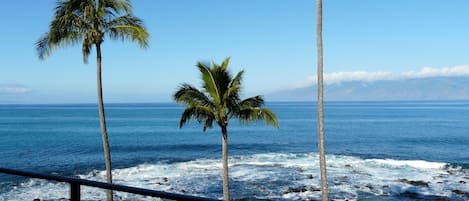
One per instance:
(274, 176)
(411, 163)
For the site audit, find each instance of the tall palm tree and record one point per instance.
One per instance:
(219, 101)
(322, 154)
(90, 22)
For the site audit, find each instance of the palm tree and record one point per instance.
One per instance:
(90, 22)
(219, 101)
(322, 154)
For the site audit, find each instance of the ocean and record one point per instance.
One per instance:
(410, 150)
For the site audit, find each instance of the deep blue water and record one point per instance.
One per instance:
(65, 139)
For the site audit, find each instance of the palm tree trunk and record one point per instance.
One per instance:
(102, 121)
(322, 155)
(226, 191)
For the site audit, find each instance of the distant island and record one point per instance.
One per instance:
(430, 88)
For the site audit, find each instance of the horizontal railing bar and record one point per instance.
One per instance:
(97, 184)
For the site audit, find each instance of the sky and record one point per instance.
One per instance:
(274, 41)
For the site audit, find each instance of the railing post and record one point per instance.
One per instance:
(74, 192)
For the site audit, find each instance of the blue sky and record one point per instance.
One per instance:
(272, 40)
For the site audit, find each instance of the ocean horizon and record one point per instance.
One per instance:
(376, 150)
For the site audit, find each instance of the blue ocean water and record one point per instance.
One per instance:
(374, 151)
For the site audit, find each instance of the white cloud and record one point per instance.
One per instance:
(438, 72)
(365, 76)
(338, 77)
(13, 89)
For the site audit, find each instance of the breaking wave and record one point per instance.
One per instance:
(273, 176)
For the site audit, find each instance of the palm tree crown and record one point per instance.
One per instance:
(219, 102)
(220, 99)
(90, 22)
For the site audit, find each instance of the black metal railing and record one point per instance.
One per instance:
(75, 185)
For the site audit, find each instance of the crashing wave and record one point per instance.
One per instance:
(273, 176)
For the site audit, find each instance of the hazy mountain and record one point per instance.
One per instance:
(434, 88)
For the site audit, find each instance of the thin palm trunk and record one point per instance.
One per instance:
(322, 154)
(226, 191)
(102, 121)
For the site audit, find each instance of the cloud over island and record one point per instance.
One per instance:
(366, 76)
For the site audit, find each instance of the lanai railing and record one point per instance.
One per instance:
(75, 186)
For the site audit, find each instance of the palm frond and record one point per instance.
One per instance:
(186, 116)
(107, 9)
(192, 96)
(256, 101)
(254, 114)
(232, 95)
(69, 6)
(208, 124)
(86, 47)
(237, 78)
(128, 27)
(222, 78)
(250, 110)
(84, 9)
(199, 113)
(51, 41)
(236, 106)
(269, 117)
(224, 64)
(43, 48)
(73, 21)
(118, 6)
(67, 28)
(209, 82)
(234, 87)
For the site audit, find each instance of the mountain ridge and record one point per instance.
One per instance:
(430, 88)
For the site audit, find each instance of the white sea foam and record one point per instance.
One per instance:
(411, 163)
(272, 176)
